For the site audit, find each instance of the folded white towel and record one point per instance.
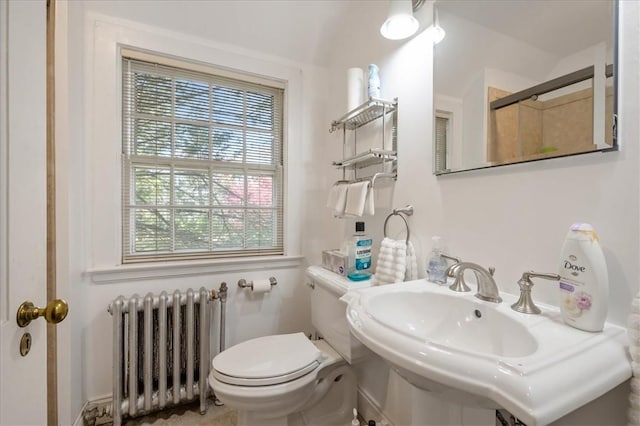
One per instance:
(337, 198)
(332, 198)
(356, 196)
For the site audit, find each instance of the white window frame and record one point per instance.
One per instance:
(448, 116)
(172, 67)
(106, 38)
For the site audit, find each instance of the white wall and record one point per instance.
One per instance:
(514, 217)
(88, 93)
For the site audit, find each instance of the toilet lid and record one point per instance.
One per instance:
(267, 360)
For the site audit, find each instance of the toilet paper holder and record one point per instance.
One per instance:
(242, 283)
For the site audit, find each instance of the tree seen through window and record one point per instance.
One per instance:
(203, 162)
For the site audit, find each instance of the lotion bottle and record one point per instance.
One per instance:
(584, 280)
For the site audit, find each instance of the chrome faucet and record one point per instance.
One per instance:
(525, 302)
(459, 284)
(487, 287)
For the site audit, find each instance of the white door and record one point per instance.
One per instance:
(23, 249)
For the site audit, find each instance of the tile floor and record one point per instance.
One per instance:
(189, 415)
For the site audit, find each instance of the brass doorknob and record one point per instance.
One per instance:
(53, 313)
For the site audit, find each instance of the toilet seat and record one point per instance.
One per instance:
(269, 360)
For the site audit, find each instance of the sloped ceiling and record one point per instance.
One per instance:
(301, 31)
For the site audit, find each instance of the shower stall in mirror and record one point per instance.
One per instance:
(523, 81)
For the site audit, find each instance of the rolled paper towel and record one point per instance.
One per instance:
(355, 87)
(261, 286)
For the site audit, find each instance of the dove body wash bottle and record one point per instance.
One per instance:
(584, 281)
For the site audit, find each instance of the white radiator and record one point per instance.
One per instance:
(160, 351)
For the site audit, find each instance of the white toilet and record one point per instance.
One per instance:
(288, 379)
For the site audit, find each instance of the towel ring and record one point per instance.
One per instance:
(408, 210)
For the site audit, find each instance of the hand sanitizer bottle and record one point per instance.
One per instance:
(436, 265)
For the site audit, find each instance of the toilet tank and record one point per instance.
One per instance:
(328, 312)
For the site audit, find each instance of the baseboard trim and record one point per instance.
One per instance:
(79, 421)
(369, 410)
(101, 412)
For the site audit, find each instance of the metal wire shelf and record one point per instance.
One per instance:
(366, 159)
(365, 113)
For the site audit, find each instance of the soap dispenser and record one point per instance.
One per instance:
(436, 264)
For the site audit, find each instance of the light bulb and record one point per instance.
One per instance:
(400, 23)
(437, 34)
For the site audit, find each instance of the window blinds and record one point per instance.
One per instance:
(202, 165)
(440, 154)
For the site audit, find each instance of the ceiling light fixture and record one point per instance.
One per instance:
(400, 22)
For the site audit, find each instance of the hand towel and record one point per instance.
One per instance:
(392, 262)
(356, 196)
(412, 264)
(337, 198)
(369, 203)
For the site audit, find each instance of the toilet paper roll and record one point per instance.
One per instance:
(261, 286)
(355, 87)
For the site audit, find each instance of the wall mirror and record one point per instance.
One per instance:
(518, 81)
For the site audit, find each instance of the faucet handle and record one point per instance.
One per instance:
(452, 258)
(450, 272)
(492, 270)
(531, 274)
(525, 303)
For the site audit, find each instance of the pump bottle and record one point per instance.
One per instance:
(436, 264)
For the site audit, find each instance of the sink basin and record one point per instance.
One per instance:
(454, 322)
(485, 354)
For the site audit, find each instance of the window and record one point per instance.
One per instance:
(202, 165)
(441, 141)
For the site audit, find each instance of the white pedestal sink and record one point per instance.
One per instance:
(484, 354)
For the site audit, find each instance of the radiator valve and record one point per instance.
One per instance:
(222, 292)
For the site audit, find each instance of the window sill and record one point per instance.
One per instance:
(123, 273)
